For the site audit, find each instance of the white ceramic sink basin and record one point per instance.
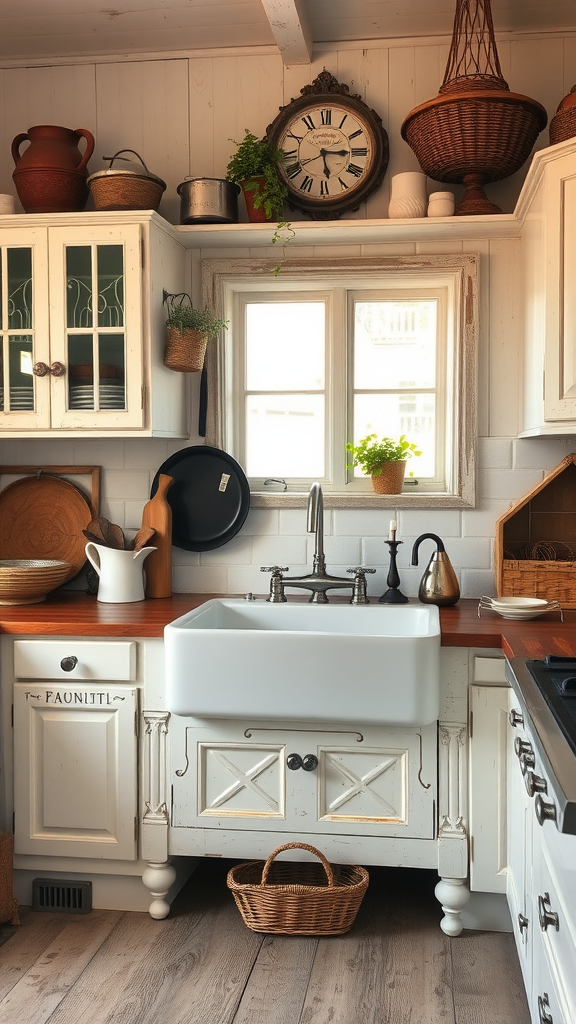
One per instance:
(305, 662)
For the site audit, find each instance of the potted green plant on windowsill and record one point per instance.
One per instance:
(383, 459)
(254, 167)
(187, 333)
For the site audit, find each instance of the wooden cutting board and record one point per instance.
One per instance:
(157, 515)
(43, 517)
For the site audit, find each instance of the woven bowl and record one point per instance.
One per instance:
(29, 580)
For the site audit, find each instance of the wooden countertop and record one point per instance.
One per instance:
(73, 613)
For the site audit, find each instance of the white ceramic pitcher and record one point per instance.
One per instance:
(121, 572)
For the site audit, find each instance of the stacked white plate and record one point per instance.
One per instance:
(111, 395)
(21, 398)
(519, 607)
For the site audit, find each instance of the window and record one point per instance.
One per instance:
(326, 353)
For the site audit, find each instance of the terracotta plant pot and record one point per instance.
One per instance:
(390, 479)
(255, 216)
(185, 350)
(50, 175)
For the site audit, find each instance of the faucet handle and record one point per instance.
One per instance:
(359, 595)
(277, 595)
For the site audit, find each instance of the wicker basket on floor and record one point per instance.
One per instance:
(298, 898)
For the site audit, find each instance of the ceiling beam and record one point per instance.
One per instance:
(291, 29)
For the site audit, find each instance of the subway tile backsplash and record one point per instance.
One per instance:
(508, 468)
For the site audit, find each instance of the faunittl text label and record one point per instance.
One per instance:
(91, 698)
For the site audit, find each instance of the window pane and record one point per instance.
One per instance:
(285, 346)
(78, 286)
(393, 415)
(285, 435)
(20, 372)
(395, 344)
(20, 289)
(110, 285)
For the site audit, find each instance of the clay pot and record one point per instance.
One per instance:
(254, 216)
(50, 175)
(390, 479)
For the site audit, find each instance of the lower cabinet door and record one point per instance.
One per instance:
(75, 770)
(370, 782)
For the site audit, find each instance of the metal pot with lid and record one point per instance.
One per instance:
(127, 186)
(208, 201)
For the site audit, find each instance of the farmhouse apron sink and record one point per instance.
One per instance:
(320, 663)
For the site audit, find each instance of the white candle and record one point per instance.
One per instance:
(393, 528)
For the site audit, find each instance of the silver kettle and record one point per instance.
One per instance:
(438, 584)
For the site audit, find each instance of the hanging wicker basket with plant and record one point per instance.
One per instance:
(188, 331)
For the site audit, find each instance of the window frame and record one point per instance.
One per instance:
(222, 277)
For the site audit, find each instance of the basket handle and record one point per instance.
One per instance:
(112, 158)
(298, 846)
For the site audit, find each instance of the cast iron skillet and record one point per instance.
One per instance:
(210, 497)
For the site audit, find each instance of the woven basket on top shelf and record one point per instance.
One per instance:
(476, 130)
(298, 898)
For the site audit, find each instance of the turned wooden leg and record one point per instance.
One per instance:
(159, 878)
(453, 895)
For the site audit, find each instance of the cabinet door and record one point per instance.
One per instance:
(372, 782)
(96, 327)
(519, 847)
(24, 400)
(489, 728)
(75, 770)
(560, 355)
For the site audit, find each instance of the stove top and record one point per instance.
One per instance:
(555, 677)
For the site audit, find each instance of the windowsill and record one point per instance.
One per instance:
(299, 499)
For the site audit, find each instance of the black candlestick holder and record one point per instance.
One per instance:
(393, 595)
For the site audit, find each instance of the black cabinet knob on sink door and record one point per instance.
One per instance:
(294, 762)
(309, 762)
(68, 664)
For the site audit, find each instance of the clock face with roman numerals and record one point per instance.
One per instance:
(336, 151)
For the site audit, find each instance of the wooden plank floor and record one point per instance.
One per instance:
(203, 966)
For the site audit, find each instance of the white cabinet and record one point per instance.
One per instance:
(519, 844)
(548, 206)
(276, 779)
(82, 327)
(488, 710)
(541, 883)
(75, 749)
(75, 770)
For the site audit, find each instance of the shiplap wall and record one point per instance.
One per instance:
(179, 112)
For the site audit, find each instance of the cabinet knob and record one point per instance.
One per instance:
(294, 762)
(534, 784)
(309, 762)
(68, 664)
(40, 369)
(515, 718)
(544, 810)
(522, 923)
(522, 747)
(546, 916)
(57, 369)
(527, 761)
(543, 1007)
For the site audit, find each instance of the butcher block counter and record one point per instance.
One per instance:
(71, 613)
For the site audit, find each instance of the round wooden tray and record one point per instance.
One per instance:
(43, 517)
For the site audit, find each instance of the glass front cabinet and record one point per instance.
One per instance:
(82, 328)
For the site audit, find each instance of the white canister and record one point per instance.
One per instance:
(408, 195)
(7, 203)
(441, 204)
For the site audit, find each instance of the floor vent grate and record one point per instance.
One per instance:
(59, 896)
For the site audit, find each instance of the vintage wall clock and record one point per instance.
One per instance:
(336, 149)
